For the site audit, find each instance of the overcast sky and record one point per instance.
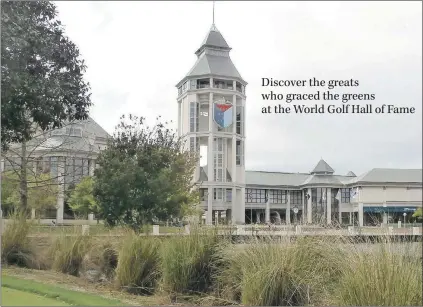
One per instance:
(137, 52)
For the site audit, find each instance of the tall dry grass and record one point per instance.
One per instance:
(100, 261)
(277, 273)
(15, 246)
(188, 263)
(67, 253)
(138, 264)
(322, 271)
(382, 274)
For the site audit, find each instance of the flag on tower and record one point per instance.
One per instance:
(223, 115)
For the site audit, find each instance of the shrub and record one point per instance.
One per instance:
(15, 246)
(278, 274)
(138, 264)
(189, 262)
(387, 275)
(68, 253)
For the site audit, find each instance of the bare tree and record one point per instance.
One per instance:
(68, 154)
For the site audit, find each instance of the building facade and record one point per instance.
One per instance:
(211, 116)
(68, 154)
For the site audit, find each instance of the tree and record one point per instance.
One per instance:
(82, 199)
(144, 174)
(42, 83)
(42, 191)
(9, 191)
(418, 214)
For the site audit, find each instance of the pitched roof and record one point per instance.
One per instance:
(213, 58)
(390, 175)
(351, 174)
(322, 167)
(208, 64)
(322, 179)
(274, 178)
(214, 39)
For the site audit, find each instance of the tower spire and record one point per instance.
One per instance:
(213, 12)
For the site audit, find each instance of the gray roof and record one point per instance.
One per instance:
(351, 174)
(274, 178)
(96, 129)
(214, 39)
(323, 180)
(214, 65)
(390, 175)
(322, 167)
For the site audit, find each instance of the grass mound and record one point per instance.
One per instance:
(277, 273)
(189, 262)
(15, 246)
(386, 276)
(68, 253)
(102, 260)
(138, 264)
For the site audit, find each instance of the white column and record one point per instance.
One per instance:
(241, 211)
(209, 212)
(339, 214)
(328, 205)
(267, 211)
(288, 208)
(61, 190)
(179, 118)
(309, 213)
(350, 218)
(360, 215)
(234, 205)
(33, 214)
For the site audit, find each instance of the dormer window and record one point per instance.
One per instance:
(74, 132)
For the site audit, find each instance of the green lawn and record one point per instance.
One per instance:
(12, 297)
(22, 292)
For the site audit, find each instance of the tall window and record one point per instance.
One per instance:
(218, 194)
(228, 195)
(345, 196)
(277, 197)
(255, 196)
(239, 120)
(194, 110)
(219, 167)
(295, 197)
(239, 152)
(318, 205)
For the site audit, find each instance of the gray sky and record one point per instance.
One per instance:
(136, 52)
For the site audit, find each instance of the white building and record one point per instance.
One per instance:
(211, 115)
(68, 154)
